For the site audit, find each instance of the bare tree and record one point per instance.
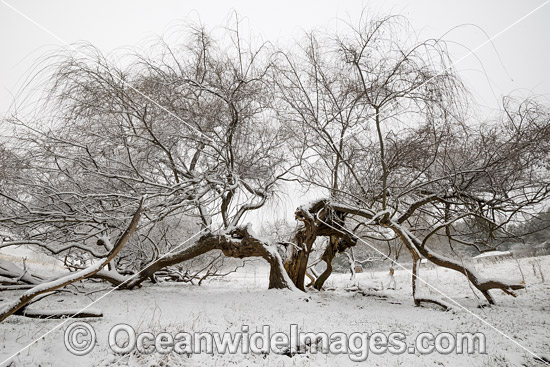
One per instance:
(192, 128)
(208, 129)
(400, 156)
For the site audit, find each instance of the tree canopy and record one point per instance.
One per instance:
(209, 130)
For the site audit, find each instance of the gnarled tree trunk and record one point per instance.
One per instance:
(239, 243)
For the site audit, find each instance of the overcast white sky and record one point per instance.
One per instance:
(523, 50)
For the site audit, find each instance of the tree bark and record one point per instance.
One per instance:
(327, 257)
(238, 243)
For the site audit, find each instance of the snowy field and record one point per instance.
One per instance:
(242, 299)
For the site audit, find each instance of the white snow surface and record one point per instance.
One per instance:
(243, 299)
(492, 254)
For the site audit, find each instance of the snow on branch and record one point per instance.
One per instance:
(53, 250)
(14, 306)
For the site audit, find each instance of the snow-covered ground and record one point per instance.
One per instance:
(242, 299)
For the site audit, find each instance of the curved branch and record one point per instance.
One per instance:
(483, 285)
(52, 250)
(50, 286)
(240, 242)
